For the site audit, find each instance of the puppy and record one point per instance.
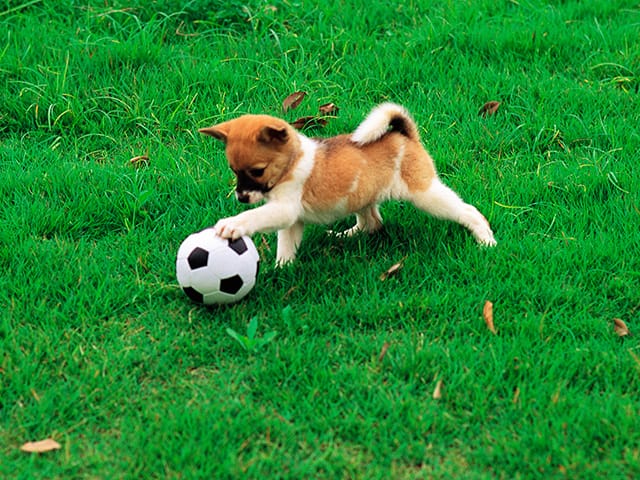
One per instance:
(306, 180)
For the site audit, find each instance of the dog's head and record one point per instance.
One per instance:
(260, 150)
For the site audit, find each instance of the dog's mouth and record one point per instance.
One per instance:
(250, 196)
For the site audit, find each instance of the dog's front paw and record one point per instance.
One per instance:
(487, 240)
(231, 228)
(484, 235)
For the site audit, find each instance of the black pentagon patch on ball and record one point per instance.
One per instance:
(239, 246)
(193, 294)
(231, 285)
(198, 258)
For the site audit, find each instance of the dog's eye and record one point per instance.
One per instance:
(256, 172)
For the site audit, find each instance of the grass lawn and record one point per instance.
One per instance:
(366, 379)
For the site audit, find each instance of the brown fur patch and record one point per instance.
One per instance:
(417, 169)
(344, 171)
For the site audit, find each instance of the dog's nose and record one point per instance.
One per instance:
(242, 197)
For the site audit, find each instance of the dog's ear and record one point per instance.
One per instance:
(271, 134)
(220, 131)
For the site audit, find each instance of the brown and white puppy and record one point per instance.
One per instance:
(306, 180)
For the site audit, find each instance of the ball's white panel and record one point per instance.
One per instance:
(205, 280)
(226, 262)
(219, 298)
(183, 272)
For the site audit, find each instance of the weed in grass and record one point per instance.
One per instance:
(250, 342)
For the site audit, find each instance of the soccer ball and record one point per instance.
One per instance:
(214, 270)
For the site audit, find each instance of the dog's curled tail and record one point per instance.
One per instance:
(383, 119)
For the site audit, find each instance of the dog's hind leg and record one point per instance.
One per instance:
(442, 202)
(367, 220)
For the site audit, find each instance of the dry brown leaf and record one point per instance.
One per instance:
(293, 100)
(489, 108)
(437, 392)
(487, 313)
(620, 327)
(393, 270)
(265, 243)
(329, 109)
(308, 122)
(383, 351)
(40, 447)
(516, 395)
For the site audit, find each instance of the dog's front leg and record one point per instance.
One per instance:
(288, 241)
(266, 218)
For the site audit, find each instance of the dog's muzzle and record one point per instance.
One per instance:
(248, 190)
(249, 196)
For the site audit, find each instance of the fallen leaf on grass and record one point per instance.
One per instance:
(487, 313)
(293, 100)
(393, 270)
(40, 447)
(308, 122)
(489, 108)
(437, 392)
(620, 327)
(328, 109)
(383, 351)
(139, 159)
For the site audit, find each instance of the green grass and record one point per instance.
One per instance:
(102, 352)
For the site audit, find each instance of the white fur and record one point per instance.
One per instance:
(377, 123)
(442, 202)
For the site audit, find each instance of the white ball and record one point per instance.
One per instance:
(213, 270)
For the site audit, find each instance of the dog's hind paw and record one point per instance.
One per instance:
(349, 232)
(485, 237)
